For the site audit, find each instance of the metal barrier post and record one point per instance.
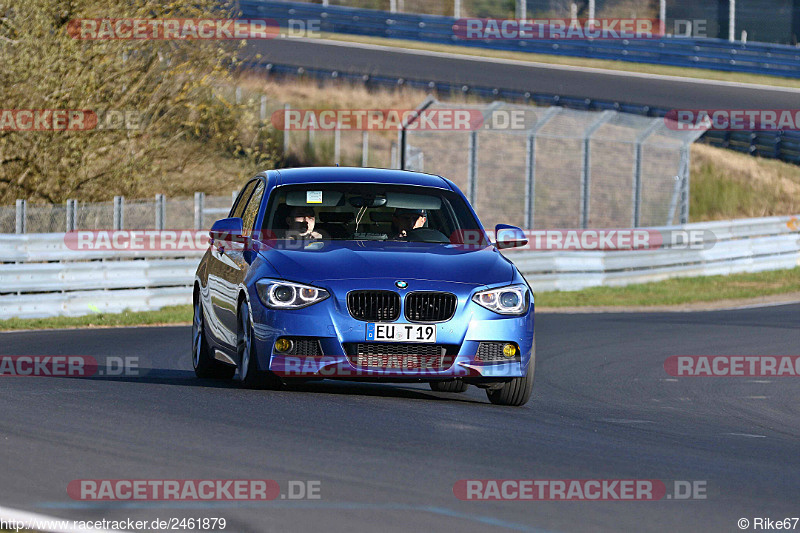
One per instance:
(262, 112)
(22, 215)
(312, 133)
(72, 215)
(401, 136)
(637, 171)
(161, 212)
(605, 116)
(684, 217)
(337, 145)
(199, 206)
(472, 175)
(119, 212)
(530, 165)
(286, 109)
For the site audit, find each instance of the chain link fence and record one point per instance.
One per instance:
(120, 214)
(562, 168)
(532, 167)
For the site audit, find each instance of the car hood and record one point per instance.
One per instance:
(330, 260)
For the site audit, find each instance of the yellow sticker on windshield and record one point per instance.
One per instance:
(313, 197)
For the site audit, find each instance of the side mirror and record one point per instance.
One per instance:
(227, 230)
(506, 236)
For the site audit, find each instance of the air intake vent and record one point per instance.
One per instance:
(401, 356)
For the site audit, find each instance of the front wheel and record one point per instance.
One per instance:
(250, 376)
(449, 386)
(516, 392)
(203, 362)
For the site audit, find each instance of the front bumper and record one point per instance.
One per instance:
(331, 324)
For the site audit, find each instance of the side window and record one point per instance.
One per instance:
(251, 211)
(241, 201)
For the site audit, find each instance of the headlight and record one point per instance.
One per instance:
(288, 295)
(511, 300)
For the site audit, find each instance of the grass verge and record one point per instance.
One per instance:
(679, 291)
(604, 64)
(176, 314)
(673, 292)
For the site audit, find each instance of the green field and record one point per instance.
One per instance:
(673, 292)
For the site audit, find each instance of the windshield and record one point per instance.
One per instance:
(366, 211)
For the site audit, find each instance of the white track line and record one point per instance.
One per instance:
(38, 521)
(534, 64)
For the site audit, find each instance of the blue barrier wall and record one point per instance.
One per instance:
(715, 54)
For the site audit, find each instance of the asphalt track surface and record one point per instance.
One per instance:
(657, 91)
(387, 456)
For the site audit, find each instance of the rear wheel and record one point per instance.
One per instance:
(517, 391)
(205, 366)
(449, 386)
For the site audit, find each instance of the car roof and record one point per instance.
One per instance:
(357, 175)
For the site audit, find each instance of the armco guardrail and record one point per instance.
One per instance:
(716, 54)
(780, 60)
(81, 282)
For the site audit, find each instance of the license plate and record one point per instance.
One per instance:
(401, 332)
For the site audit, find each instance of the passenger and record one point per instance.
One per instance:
(405, 220)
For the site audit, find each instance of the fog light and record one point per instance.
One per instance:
(283, 345)
(509, 350)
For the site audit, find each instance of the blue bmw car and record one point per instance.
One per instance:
(362, 274)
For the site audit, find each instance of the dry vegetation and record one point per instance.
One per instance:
(727, 184)
(169, 84)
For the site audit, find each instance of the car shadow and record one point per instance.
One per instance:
(186, 378)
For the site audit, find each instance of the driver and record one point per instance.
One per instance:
(301, 222)
(405, 220)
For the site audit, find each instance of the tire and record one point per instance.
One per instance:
(516, 392)
(250, 376)
(203, 362)
(449, 386)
